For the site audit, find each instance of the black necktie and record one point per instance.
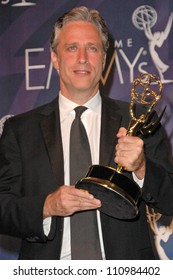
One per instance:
(85, 244)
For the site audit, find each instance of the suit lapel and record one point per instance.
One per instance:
(50, 126)
(110, 124)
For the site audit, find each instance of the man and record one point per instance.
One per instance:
(36, 198)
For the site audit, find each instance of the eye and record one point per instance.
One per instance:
(93, 48)
(72, 48)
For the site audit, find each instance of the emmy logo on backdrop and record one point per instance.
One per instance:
(23, 3)
(118, 193)
(162, 232)
(2, 121)
(144, 18)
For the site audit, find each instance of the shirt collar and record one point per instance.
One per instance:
(67, 106)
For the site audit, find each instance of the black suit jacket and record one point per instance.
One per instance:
(31, 166)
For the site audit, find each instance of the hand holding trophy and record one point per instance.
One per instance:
(118, 193)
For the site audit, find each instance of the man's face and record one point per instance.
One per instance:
(80, 58)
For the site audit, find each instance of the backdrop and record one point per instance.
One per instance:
(141, 33)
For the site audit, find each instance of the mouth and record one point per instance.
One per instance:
(82, 71)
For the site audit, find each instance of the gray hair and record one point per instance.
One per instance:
(80, 14)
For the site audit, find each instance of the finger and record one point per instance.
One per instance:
(82, 197)
(84, 194)
(81, 201)
(82, 205)
(121, 132)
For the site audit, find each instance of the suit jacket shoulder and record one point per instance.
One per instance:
(34, 114)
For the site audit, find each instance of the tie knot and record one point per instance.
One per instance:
(79, 110)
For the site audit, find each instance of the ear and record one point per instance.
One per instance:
(54, 59)
(104, 61)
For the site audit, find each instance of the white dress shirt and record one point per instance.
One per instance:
(91, 119)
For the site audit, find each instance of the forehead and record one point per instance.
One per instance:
(80, 30)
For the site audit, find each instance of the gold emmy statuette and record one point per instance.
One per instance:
(118, 193)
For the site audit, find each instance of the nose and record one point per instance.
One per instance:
(82, 56)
